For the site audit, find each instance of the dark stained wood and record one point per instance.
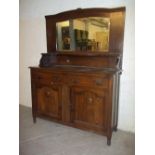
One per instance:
(87, 53)
(51, 34)
(80, 89)
(65, 103)
(82, 100)
(109, 109)
(102, 61)
(117, 19)
(49, 100)
(88, 107)
(87, 12)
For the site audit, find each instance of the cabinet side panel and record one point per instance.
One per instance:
(117, 20)
(109, 107)
(116, 86)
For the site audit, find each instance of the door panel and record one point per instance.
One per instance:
(88, 107)
(49, 100)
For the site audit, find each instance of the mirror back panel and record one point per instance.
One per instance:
(86, 30)
(83, 34)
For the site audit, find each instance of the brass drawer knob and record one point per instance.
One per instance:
(56, 78)
(47, 94)
(67, 60)
(90, 100)
(75, 81)
(52, 83)
(98, 81)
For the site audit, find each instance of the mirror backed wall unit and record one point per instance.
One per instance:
(77, 80)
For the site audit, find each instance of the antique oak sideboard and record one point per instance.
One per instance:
(77, 80)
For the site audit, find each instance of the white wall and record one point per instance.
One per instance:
(33, 42)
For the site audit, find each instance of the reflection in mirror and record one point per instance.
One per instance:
(83, 34)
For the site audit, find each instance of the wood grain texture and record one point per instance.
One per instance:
(89, 108)
(80, 89)
(82, 100)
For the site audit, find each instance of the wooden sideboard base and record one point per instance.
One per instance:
(77, 99)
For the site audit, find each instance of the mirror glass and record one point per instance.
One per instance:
(83, 34)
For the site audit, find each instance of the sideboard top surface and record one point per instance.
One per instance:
(78, 69)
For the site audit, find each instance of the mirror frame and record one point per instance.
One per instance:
(117, 21)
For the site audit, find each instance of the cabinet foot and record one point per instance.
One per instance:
(108, 141)
(34, 120)
(115, 128)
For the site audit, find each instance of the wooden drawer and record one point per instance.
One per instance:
(38, 75)
(51, 78)
(47, 78)
(55, 78)
(90, 81)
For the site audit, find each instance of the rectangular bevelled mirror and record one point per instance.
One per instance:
(83, 34)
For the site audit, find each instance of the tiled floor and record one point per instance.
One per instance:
(49, 138)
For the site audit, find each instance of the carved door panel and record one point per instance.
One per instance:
(49, 101)
(88, 108)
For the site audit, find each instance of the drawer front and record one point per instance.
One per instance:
(40, 75)
(76, 79)
(90, 81)
(48, 78)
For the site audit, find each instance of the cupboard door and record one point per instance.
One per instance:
(88, 108)
(49, 101)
